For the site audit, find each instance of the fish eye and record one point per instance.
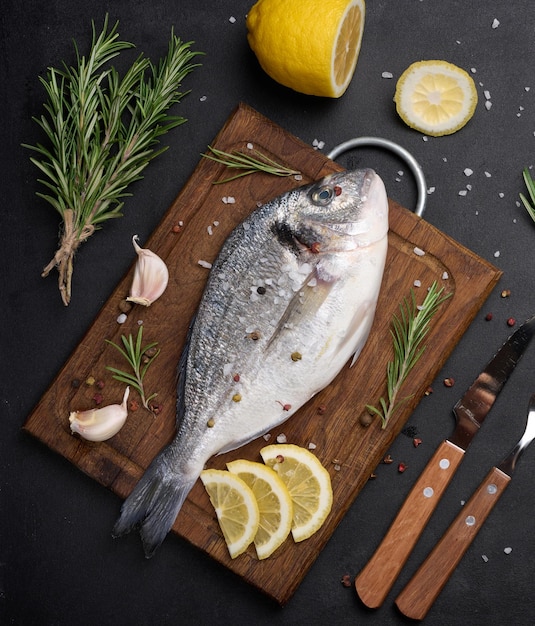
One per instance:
(322, 196)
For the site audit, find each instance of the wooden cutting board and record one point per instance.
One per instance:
(349, 451)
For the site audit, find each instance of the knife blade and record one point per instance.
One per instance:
(377, 577)
(424, 587)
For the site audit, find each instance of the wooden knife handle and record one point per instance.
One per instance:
(423, 588)
(376, 579)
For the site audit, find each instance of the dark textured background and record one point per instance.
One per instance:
(58, 563)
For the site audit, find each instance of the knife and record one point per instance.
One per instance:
(376, 579)
(424, 587)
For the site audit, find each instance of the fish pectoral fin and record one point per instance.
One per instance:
(303, 305)
(359, 329)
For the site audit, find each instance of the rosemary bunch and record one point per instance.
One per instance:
(408, 331)
(248, 164)
(530, 186)
(139, 358)
(102, 132)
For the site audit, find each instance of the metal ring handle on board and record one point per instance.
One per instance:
(397, 149)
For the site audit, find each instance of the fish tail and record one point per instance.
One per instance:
(154, 504)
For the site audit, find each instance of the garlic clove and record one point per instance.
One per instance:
(150, 276)
(100, 424)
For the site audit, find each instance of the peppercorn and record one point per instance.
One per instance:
(261, 290)
(296, 356)
(449, 382)
(125, 306)
(416, 442)
(506, 293)
(402, 467)
(388, 459)
(346, 580)
(321, 409)
(366, 419)
(511, 321)
(488, 317)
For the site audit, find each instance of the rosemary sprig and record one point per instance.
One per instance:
(102, 132)
(408, 331)
(248, 163)
(530, 185)
(136, 356)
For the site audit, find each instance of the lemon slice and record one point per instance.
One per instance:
(307, 481)
(274, 504)
(435, 97)
(235, 507)
(309, 46)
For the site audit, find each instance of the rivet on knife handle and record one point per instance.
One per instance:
(424, 587)
(376, 579)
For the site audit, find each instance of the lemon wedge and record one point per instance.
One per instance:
(435, 97)
(235, 506)
(308, 483)
(309, 46)
(274, 504)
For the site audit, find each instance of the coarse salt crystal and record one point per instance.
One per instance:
(417, 283)
(210, 229)
(312, 446)
(232, 19)
(387, 75)
(431, 190)
(463, 192)
(282, 438)
(202, 99)
(508, 550)
(205, 264)
(267, 436)
(488, 105)
(468, 171)
(298, 177)
(527, 88)
(216, 223)
(445, 275)
(495, 23)
(501, 194)
(488, 174)
(418, 251)
(473, 70)
(424, 138)
(486, 93)
(485, 558)
(121, 319)
(497, 253)
(469, 187)
(250, 146)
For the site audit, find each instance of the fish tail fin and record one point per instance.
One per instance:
(154, 504)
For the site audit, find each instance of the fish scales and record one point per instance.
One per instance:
(289, 300)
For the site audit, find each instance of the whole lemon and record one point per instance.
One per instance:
(311, 46)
